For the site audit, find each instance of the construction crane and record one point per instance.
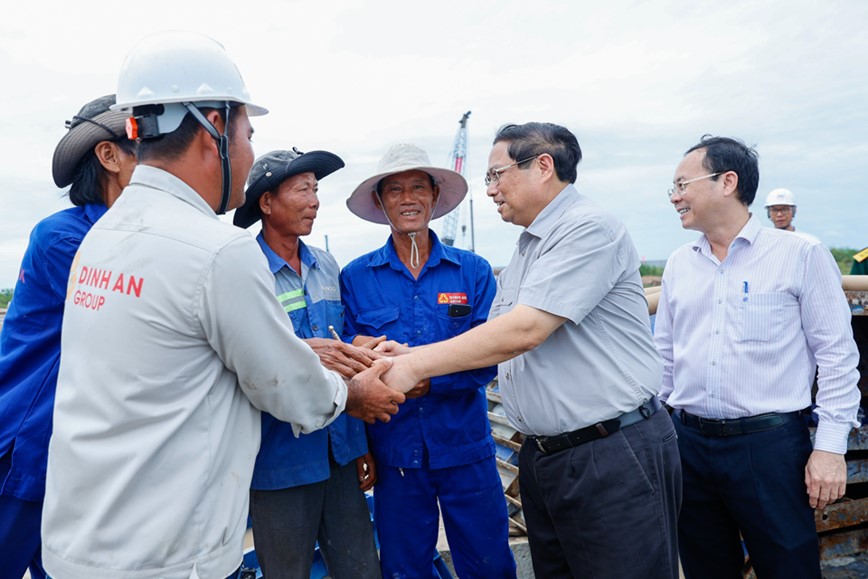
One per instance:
(457, 162)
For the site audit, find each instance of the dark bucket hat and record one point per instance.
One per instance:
(93, 123)
(272, 169)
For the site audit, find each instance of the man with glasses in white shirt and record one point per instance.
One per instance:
(746, 316)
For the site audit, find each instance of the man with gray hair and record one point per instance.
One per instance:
(599, 469)
(95, 160)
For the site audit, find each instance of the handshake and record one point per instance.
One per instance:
(376, 372)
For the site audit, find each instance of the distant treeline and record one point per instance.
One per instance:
(842, 255)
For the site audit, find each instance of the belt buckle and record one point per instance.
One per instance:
(723, 427)
(538, 440)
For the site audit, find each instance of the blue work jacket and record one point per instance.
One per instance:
(313, 302)
(453, 293)
(30, 347)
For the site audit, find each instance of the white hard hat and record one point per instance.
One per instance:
(780, 197)
(175, 67)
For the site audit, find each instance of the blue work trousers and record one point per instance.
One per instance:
(20, 539)
(474, 517)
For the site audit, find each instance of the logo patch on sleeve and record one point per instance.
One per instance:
(452, 298)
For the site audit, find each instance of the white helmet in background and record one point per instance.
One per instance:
(181, 72)
(780, 197)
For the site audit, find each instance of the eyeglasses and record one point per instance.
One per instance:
(782, 209)
(682, 185)
(493, 175)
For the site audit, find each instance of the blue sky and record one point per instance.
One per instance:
(638, 82)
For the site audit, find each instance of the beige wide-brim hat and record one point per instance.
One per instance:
(398, 159)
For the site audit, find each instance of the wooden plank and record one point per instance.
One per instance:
(498, 419)
(508, 443)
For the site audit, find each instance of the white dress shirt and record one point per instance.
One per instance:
(745, 336)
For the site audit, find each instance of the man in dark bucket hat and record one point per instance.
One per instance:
(310, 487)
(95, 159)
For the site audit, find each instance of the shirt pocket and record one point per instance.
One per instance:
(503, 302)
(379, 321)
(451, 326)
(763, 316)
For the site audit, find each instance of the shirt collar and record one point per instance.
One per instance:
(94, 211)
(548, 217)
(147, 176)
(749, 233)
(276, 263)
(388, 255)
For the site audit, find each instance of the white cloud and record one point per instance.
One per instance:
(638, 82)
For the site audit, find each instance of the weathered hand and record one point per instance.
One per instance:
(343, 358)
(825, 478)
(368, 397)
(366, 468)
(392, 348)
(420, 389)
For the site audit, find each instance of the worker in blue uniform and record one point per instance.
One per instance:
(96, 159)
(308, 488)
(438, 449)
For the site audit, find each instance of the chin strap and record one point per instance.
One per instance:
(414, 250)
(223, 147)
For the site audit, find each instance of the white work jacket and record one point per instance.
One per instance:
(172, 339)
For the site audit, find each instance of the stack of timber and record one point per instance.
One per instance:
(843, 526)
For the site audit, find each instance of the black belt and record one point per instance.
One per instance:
(549, 444)
(737, 426)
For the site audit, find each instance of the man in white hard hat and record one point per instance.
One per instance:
(173, 342)
(598, 470)
(781, 209)
(95, 160)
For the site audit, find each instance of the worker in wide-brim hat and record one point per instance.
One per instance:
(437, 450)
(310, 487)
(447, 188)
(95, 159)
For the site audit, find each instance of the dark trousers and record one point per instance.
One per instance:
(20, 539)
(606, 508)
(287, 524)
(753, 484)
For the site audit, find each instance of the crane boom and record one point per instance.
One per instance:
(457, 162)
